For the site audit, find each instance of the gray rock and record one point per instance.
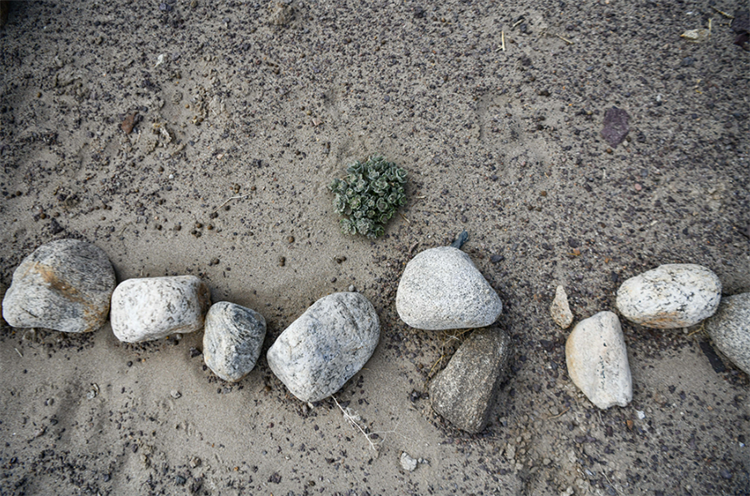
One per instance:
(442, 289)
(670, 296)
(153, 308)
(325, 346)
(65, 285)
(730, 329)
(560, 310)
(463, 393)
(598, 360)
(232, 340)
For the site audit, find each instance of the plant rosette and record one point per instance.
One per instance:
(369, 196)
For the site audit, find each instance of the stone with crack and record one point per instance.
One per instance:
(325, 346)
(65, 285)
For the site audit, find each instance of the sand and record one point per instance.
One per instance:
(247, 111)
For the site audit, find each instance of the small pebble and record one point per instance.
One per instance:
(290, 239)
(175, 394)
(282, 261)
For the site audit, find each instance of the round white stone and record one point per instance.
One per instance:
(442, 289)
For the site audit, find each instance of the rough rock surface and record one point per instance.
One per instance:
(670, 296)
(325, 346)
(442, 289)
(464, 391)
(598, 360)
(560, 310)
(65, 285)
(153, 308)
(730, 329)
(232, 339)
(407, 462)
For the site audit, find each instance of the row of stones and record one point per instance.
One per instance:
(68, 285)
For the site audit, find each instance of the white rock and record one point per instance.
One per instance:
(598, 360)
(407, 462)
(730, 329)
(560, 310)
(232, 340)
(670, 296)
(442, 289)
(65, 285)
(325, 346)
(153, 308)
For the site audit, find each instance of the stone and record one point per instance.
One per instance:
(153, 308)
(325, 346)
(597, 361)
(729, 329)
(65, 285)
(442, 289)
(232, 339)
(560, 310)
(407, 462)
(670, 296)
(464, 391)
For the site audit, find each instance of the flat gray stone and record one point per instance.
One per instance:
(65, 285)
(442, 289)
(729, 329)
(464, 391)
(325, 346)
(670, 296)
(560, 310)
(153, 308)
(597, 360)
(232, 339)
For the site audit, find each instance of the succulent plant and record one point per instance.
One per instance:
(368, 196)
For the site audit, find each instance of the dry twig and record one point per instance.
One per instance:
(238, 197)
(728, 16)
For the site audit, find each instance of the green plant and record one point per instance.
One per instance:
(368, 196)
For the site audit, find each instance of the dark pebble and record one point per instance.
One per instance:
(496, 258)
(282, 261)
(194, 352)
(130, 364)
(180, 480)
(275, 478)
(726, 473)
(573, 243)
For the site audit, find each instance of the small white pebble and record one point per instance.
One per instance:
(641, 414)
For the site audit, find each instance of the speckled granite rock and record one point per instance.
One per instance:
(670, 296)
(729, 329)
(442, 289)
(232, 339)
(153, 308)
(560, 310)
(65, 285)
(325, 346)
(598, 360)
(464, 391)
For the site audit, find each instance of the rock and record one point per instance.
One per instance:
(730, 329)
(65, 285)
(598, 360)
(463, 393)
(232, 340)
(407, 462)
(560, 310)
(670, 296)
(615, 126)
(325, 346)
(153, 308)
(442, 289)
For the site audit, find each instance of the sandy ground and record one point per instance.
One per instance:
(245, 113)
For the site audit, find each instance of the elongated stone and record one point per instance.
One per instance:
(442, 289)
(729, 329)
(232, 339)
(560, 310)
(597, 360)
(325, 346)
(464, 391)
(670, 296)
(65, 285)
(153, 308)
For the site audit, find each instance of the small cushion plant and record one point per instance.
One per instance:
(368, 196)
